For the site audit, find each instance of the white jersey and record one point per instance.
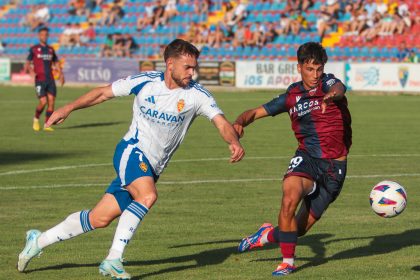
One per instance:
(161, 117)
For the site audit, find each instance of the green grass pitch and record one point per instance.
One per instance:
(206, 205)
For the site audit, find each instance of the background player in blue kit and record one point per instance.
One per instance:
(321, 122)
(44, 60)
(164, 107)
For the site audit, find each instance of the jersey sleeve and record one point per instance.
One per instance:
(122, 87)
(30, 55)
(277, 105)
(130, 84)
(207, 105)
(328, 81)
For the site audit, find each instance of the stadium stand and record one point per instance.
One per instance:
(367, 30)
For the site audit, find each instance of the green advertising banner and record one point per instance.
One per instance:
(4, 69)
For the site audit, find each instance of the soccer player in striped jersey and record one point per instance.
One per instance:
(321, 121)
(164, 107)
(40, 63)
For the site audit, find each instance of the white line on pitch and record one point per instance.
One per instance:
(52, 168)
(25, 171)
(57, 186)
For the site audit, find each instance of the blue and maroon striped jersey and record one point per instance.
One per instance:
(42, 58)
(325, 135)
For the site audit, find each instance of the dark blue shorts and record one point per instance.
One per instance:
(45, 87)
(130, 164)
(328, 175)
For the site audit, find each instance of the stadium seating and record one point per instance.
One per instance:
(346, 47)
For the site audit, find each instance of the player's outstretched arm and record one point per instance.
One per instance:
(247, 118)
(229, 135)
(93, 97)
(335, 93)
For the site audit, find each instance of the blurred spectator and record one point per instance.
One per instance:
(216, 36)
(1, 47)
(92, 4)
(372, 27)
(169, 12)
(328, 18)
(258, 36)
(294, 23)
(201, 7)
(381, 8)
(347, 18)
(88, 35)
(107, 46)
(228, 11)
(239, 13)
(403, 17)
(202, 34)
(39, 16)
(271, 33)
(130, 45)
(78, 7)
(65, 35)
(284, 24)
(71, 35)
(142, 22)
(403, 53)
(300, 5)
(192, 32)
(113, 14)
(413, 57)
(118, 46)
(333, 7)
(248, 36)
(304, 5)
(370, 7)
(158, 12)
(239, 35)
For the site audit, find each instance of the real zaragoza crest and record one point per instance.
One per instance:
(180, 105)
(143, 166)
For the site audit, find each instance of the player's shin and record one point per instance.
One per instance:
(74, 225)
(127, 225)
(48, 115)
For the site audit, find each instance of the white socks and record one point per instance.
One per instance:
(74, 225)
(127, 225)
(289, 261)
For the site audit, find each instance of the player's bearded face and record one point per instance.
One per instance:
(183, 70)
(311, 73)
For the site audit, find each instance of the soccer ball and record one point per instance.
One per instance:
(388, 199)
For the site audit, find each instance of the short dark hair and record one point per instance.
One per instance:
(312, 51)
(180, 47)
(43, 29)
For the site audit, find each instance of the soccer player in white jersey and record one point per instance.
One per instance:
(164, 107)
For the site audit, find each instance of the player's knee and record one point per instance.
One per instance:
(99, 221)
(148, 200)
